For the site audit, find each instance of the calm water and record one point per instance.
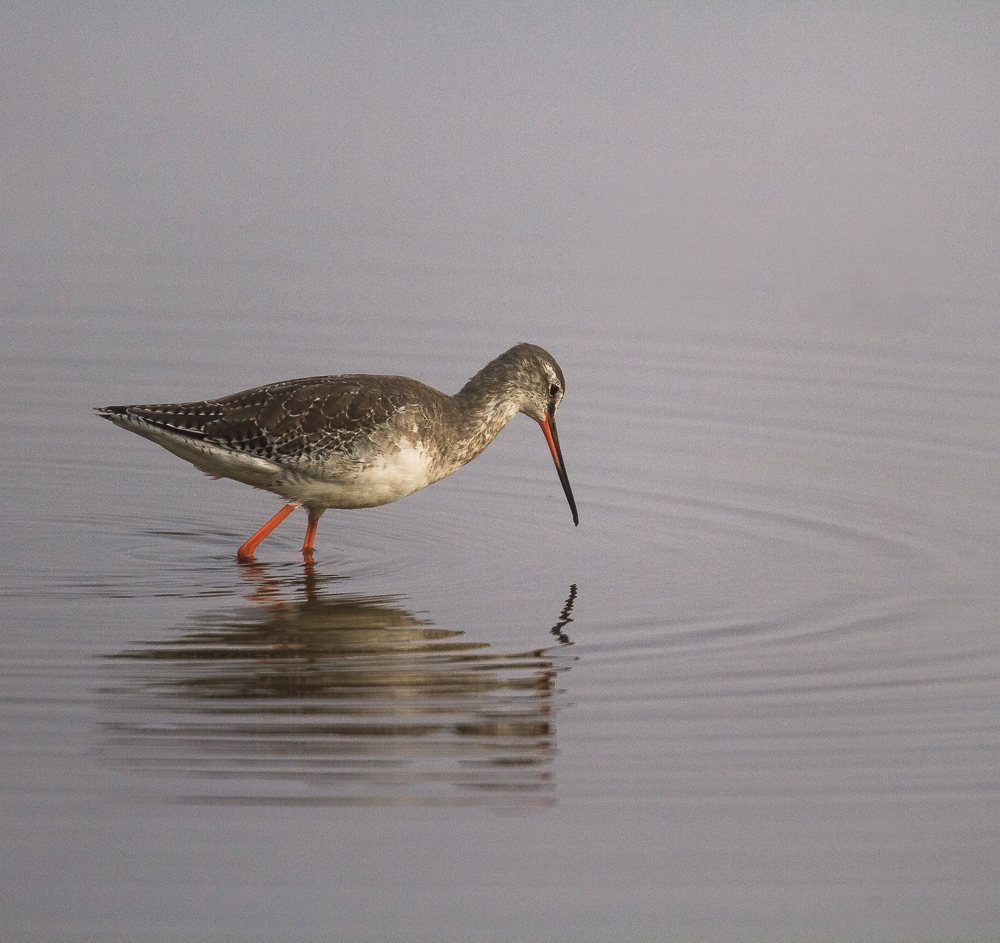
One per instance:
(754, 696)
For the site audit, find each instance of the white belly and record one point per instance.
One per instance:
(355, 485)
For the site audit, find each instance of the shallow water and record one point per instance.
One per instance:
(753, 696)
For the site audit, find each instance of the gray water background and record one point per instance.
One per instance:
(754, 696)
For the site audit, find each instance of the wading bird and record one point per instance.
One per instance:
(353, 441)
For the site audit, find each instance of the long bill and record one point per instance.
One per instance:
(548, 425)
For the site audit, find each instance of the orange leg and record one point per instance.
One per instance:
(245, 553)
(307, 544)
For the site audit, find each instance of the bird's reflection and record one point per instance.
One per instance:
(309, 695)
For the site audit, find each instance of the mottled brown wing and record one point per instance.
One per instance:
(307, 417)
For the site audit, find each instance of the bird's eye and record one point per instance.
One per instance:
(553, 390)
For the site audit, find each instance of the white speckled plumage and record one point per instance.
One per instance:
(352, 441)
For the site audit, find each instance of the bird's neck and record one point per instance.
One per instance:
(483, 407)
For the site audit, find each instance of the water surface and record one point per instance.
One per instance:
(754, 696)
